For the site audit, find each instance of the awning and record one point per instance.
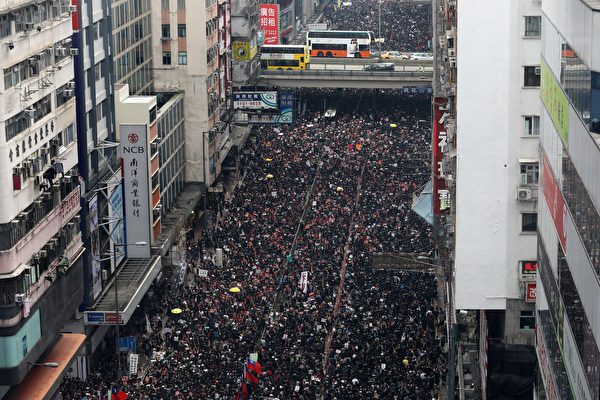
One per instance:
(132, 282)
(423, 204)
(41, 382)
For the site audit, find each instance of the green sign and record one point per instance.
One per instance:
(556, 102)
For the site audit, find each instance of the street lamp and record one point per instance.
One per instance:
(118, 345)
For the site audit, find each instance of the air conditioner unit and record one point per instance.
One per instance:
(538, 70)
(43, 253)
(17, 170)
(20, 297)
(73, 52)
(60, 51)
(55, 141)
(523, 179)
(38, 203)
(104, 275)
(72, 8)
(50, 50)
(44, 151)
(452, 53)
(70, 85)
(452, 62)
(69, 92)
(68, 179)
(62, 233)
(523, 194)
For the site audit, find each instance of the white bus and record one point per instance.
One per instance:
(340, 43)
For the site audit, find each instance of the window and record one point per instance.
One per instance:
(528, 222)
(181, 4)
(5, 25)
(532, 76)
(182, 59)
(531, 125)
(527, 320)
(96, 31)
(166, 31)
(181, 30)
(166, 58)
(530, 174)
(67, 136)
(164, 4)
(533, 26)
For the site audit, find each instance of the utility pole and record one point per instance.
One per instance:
(379, 34)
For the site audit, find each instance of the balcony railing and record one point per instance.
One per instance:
(14, 231)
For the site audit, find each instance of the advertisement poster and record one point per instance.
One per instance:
(255, 101)
(269, 23)
(441, 196)
(95, 244)
(555, 202)
(117, 225)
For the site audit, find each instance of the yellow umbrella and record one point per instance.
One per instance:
(339, 189)
(268, 159)
(234, 289)
(176, 311)
(393, 126)
(269, 176)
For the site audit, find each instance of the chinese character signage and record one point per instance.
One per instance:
(244, 51)
(528, 269)
(255, 101)
(269, 23)
(285, 115)
(134, 151)
(441, 196)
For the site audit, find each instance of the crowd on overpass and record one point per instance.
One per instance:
(406, 26)
(317, 198)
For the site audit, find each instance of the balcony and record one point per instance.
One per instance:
(24, 236)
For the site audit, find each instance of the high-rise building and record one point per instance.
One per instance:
(486, 177)
(132, 44)
(568, 288)
(40, 241)
(201, 70)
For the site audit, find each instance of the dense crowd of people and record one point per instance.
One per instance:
(315, 201)
(405, 25)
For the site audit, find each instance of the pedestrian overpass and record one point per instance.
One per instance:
(350, 73)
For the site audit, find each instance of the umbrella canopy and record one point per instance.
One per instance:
(269, 176)
(234, 289)
(176, 311)
(339, 189)
(393, 125)
(268, 159)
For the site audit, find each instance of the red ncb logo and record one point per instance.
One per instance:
(133, 138)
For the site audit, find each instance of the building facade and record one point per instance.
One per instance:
(486, 176)
(40, 241)
(201, 71)
(568, 317)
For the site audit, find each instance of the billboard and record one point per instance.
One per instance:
(255, 101)
(555, 202)
(244, 51)
(116, 225)
(441, 196)
(555, 101)
(134, 153)
(269, 23)
(95, 246)
(285, 115)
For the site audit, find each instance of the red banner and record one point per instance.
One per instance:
(75, 16)
(555, 202)
(441, 196)
(269, 23)
(530, 292)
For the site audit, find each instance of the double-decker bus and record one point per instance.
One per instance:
(340, 43)
(292, 57)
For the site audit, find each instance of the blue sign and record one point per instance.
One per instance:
(127, 343)
(95, 317)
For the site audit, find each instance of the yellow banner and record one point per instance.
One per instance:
(556, 102)
(244, 51)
